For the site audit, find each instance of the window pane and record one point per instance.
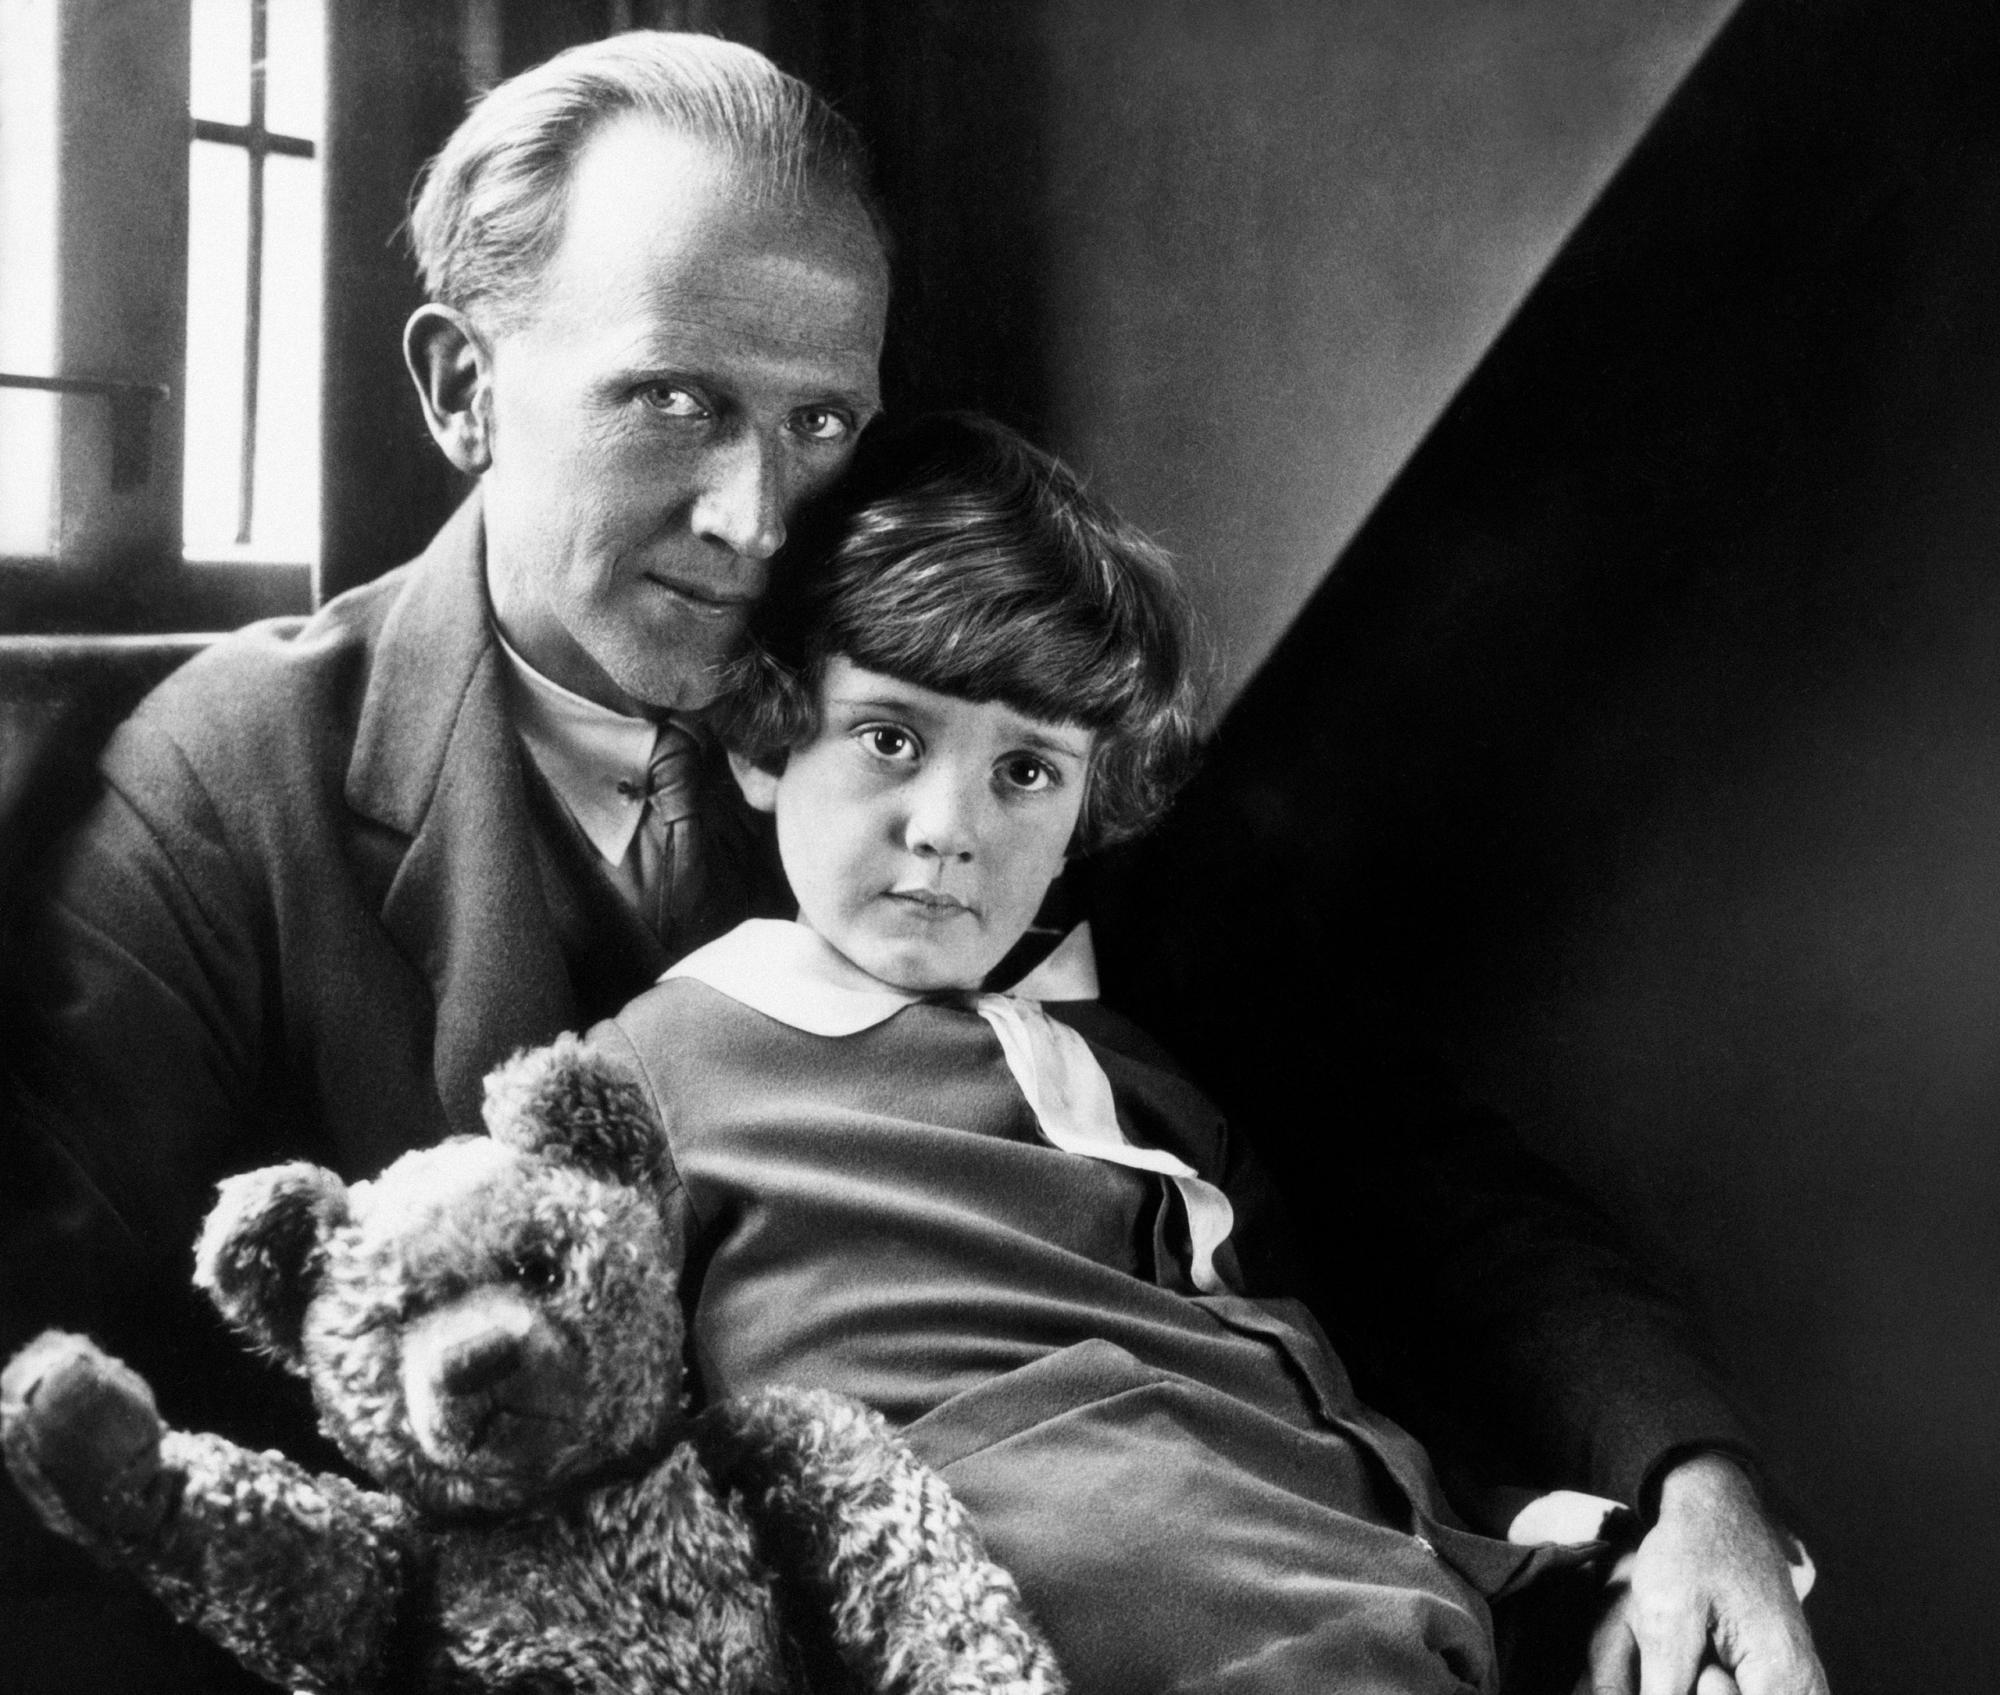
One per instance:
(27, 273)
(219, 63)
(295, 67)
(27, 472)
(218, 242)
(286, 527)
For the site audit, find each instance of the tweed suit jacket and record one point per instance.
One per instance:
(312, 908)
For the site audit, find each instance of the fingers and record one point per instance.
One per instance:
(1768, 1648)
(1779, 1662)
(1613, 1660)
(1673, 1641)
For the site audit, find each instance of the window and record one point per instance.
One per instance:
(132, 494)
(256, 99)
(27, 274)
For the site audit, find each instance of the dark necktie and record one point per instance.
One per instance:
(670, 868)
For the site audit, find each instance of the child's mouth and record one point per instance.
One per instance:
(930, 903)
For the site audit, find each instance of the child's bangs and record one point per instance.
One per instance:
(983, 628)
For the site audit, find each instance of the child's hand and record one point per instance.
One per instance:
(82, 1437)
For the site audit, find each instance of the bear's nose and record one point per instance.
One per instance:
(476, 1363)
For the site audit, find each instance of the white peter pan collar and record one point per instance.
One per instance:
(791, 973)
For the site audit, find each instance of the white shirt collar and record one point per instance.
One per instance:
(586, 751)
(788, 972)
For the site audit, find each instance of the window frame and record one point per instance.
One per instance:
(396, 84)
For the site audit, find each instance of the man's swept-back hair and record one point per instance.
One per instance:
(958, 557)
(489, 209)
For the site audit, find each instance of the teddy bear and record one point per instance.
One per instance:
(491, 1332)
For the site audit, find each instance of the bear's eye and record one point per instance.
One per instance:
(537, 1267)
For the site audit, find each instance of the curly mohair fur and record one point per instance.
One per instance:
(492, 1333)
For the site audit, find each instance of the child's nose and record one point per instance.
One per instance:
(941, 822)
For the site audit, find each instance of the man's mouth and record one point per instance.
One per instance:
(709, 603)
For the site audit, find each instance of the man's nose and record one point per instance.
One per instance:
(943, 818)
(741, 501)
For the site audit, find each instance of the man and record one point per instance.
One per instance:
(332, 880)
(397, 848)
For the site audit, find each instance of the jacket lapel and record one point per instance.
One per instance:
(436, 760)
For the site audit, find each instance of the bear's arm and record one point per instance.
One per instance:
(873, 1535)
(300, 1576)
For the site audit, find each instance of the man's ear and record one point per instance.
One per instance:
(452, 368)
(759, 783)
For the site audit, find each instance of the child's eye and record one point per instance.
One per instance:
(1027, 774)
(889, 741)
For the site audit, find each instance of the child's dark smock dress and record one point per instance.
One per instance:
(1183, 1483)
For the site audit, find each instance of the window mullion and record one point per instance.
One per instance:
(253, 282)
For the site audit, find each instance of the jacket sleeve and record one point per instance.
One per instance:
(1488, 1303)
(137, 989)
(137, 984)
(129, 1051)
(1475, 1293)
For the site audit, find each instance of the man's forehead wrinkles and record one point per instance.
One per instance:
(680, 279)
(817, 314)
(751, 328)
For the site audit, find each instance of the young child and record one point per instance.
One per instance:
(1002, 1217)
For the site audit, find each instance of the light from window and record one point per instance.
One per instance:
(256, 97)
(27, 273)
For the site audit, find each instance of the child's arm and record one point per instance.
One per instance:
(299, 1576)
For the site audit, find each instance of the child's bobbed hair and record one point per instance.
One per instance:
(958, 557)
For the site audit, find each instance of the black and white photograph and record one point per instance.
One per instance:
(998, 847)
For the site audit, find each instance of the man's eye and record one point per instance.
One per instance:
(822, 424)
(887, 741)
(1026, 773)
(672, 401)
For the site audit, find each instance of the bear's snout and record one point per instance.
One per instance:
(481, 1361)
(488, 1381)
(473, 1344)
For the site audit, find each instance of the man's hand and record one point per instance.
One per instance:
(1705, 1605)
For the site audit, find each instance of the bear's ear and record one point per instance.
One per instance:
(573, 1103)
(262, 1250)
